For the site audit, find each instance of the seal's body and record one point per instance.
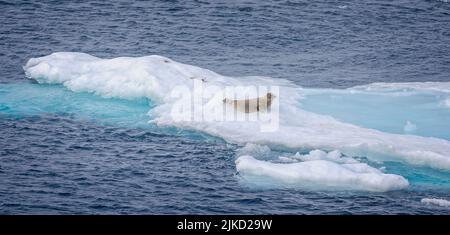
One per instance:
(251, 105)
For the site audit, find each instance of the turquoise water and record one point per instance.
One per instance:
(33, 99)
(390, 112)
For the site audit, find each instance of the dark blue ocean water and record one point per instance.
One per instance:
(58, 161)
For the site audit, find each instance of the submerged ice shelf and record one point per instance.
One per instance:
(415, 132)
(398, 108)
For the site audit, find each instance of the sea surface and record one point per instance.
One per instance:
(63, 152)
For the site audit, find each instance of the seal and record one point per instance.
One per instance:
(251, 105)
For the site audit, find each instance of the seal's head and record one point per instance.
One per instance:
(270, 96)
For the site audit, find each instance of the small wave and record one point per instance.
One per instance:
(436, 201)
(409, 127)
(405, 86)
